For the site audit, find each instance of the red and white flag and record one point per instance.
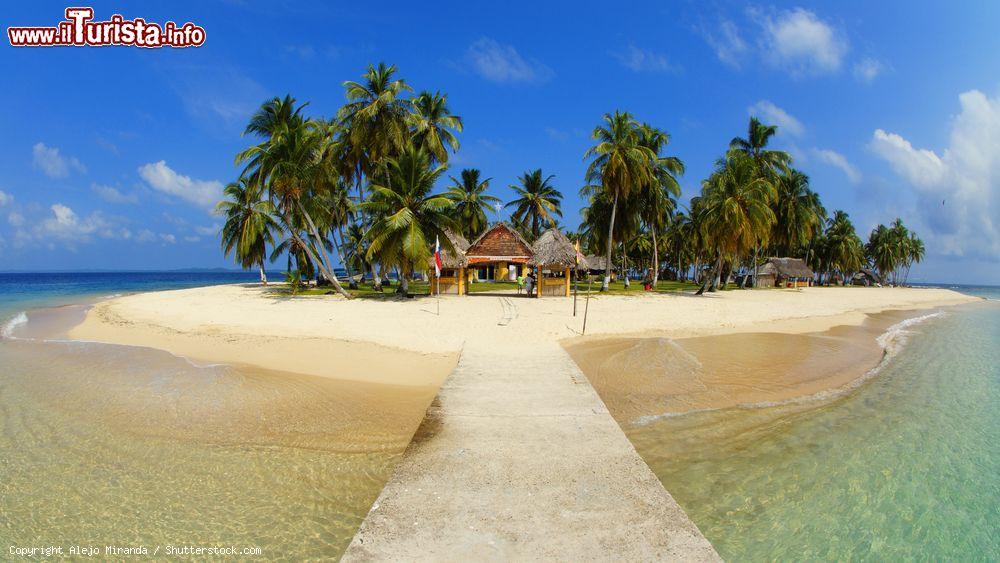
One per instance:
(437, 257)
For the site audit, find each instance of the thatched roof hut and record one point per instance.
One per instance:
(554, 249)
(595, 262)
(449, 259)
(785, 268)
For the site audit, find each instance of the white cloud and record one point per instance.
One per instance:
(209, 230)
(643, 60)
(112, 195)
(66, 225)
(502, 63)
(797, 40)
(15, 219)
(5, 198)
(867, 69)
(771, 114)
(956, 190)
(145, 235)
(726, 42)
(191, 238)
(834, 158)
(168, 238)
(53, 164)
(204, 193)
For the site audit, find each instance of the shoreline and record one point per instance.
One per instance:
(406, 343)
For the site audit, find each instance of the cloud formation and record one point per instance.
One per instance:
(799, 41)
(868, 69)
(644, 60)
(771, 114)
(52, 163)
(502, 63)
(956, 190)
(5, 198)
(835, 159)
(113, 195)
(727, 42)
(162, 178)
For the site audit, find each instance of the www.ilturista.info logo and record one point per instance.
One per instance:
(79, 30)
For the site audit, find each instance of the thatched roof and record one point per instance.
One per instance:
(497, 243)
(595, 262)
(449, 259)
(785, 267)
(554, 249)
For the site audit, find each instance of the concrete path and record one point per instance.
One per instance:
(518, 458)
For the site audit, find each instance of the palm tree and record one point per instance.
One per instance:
(537, 200)
(471, 202)
(620, 165)
(735, 209)
(410, 218)
(376, 121)
(249, 225)
(377, 114)
(287, 163)
(842, 250)
(766, 162)
(657, 198)
(433, 125)
(798, 211)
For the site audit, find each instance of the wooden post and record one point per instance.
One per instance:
(567, 281)
(586, 307)
(539, 280)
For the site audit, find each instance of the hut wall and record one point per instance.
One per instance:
(765, 280)
(449, 282)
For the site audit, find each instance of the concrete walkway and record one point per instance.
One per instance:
(518, 458)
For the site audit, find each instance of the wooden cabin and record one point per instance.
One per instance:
(453, 263)
(500, 254)
(555, 258)
(784, 272)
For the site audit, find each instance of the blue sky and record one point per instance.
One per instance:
(112, 157)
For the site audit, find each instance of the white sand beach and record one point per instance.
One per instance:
(373, 340)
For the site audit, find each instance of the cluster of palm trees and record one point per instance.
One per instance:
(754, 204)
(361, 185)
(892, 251)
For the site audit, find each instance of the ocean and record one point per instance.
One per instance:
(904, 467)
(104, 445)
(111, 445)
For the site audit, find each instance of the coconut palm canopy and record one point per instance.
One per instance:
(363, 189)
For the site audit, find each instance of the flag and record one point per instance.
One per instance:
(437, 257)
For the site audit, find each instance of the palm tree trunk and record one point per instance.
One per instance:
(340, 254)
(756, 249)
(263, 274)
(404, 281)
(607, 257)
(656, 261)
(312, 255)
(624, 267)
(314, 232)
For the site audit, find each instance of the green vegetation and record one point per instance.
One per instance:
(360, 189)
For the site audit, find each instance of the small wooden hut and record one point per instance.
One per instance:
(453, 264)
(499, 254)
(784, 272)
(554, 259)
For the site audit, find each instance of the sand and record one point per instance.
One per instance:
(518, 457)
(373, 340)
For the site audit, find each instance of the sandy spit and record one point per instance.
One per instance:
(407, 342)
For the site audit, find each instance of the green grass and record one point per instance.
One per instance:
(423, 289)
(635, 288)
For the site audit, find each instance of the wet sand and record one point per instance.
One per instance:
(642, 377)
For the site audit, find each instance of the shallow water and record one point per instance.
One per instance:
(115, 445)
(906, 466)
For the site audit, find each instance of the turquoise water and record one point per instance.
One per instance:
(906, 467)
(113, 445)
